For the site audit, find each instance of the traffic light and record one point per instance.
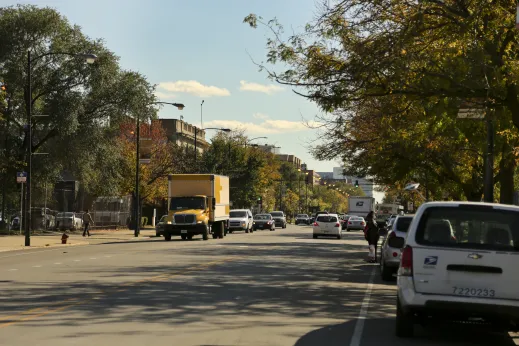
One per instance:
(356, 183)
(260, 202)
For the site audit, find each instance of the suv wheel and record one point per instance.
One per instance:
(404, 322)
(285, 225)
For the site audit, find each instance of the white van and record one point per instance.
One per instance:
(460, 263)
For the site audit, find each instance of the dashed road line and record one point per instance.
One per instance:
(13, 269)
(359, 325)
(57, 263)
(38, 266)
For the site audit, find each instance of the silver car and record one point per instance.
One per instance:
(390, 252)
(355, 222)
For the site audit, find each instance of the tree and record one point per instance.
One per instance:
(84, 103)
(367, 50)
(166, 158)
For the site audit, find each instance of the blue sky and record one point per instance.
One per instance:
(199, 50)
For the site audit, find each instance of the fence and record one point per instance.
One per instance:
(112, 212)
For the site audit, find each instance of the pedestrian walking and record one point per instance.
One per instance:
(87, 220)
(371, 234)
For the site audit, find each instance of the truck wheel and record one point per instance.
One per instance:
(285, 226)
(184, 237)
(215, 236)
(247, 230)
(205, 235)
(190, 237)
(167, 237)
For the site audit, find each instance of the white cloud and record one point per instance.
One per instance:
(165, 95)
(261, 88)
(268, 126)
(260, 116)
(193, 87)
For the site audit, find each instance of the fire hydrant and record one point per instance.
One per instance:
(64, 238)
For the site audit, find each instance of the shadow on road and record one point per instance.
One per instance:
(267, 285)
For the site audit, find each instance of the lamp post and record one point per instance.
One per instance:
(201, 114)
(137, 211)
(90, 59)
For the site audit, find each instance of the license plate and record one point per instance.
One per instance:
(473, 292)
(183, 231)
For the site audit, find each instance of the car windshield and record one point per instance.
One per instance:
(65, 214)
(182, 203)
(326, 218)
(262, 217)
(278, 214)
(475, 227)
(238, 214)
(402, 223)
(302, 215)
(356, 218)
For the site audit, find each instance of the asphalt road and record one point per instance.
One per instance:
(265, 288)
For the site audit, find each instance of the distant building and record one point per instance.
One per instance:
(269, 148)
(296, 161)
(312, 178)
(183, 134)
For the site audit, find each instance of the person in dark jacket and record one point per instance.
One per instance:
(372, 236)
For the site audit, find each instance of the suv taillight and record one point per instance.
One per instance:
(316, 224)
(406, 262)
(337, 224)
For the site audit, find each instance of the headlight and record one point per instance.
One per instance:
(253, 222)
(243, 223)
(169, 222)
(200, 222)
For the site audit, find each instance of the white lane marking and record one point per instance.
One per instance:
(77, 260)
(108, 256)
(57, 263)
(243, 246)
(93, 258)
(13, 270)
(359, 325)
(36, 266)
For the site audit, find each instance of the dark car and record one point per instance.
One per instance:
(159, 227)
(280, 218)
(263, 221)
(303, 219)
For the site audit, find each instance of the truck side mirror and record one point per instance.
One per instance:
(213, 202)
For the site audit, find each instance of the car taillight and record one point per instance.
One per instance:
(337, 225)
(349, 222)
(395, 254)
(362, 223)
(406, 262)
(391, 235)
(316, 224)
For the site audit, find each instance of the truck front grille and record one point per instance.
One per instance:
(183, 218)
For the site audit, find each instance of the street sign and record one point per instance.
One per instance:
(21, 177)
(410, 206)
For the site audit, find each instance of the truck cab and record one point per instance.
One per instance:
(198, 204)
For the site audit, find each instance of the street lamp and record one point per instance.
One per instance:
(90, 59)
(208, 128)
(137, 211)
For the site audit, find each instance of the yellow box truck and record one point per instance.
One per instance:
(198, 204)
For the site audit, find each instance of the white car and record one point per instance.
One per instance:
(392, 246)
(460, 263)
(327, 225)
(240, 220)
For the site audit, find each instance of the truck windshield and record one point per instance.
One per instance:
(183, 203)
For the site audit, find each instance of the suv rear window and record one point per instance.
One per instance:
(402, 223)
(326, 218)
(472, 227)
(278, 214)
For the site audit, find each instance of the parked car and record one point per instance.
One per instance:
(392, 245)
(344, 220)
(263, 221)
(159, 227)
(460, 263)
(240, 220)
(327, 225)
(68, 220)
(355, 223)
(280, 218)
(303, 219)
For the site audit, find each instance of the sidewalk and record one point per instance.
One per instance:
(17, 242)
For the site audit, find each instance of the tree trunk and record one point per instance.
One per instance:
(507, 167)
(472, 195)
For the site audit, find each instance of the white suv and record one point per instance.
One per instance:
(240, 220)
(460, 263)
